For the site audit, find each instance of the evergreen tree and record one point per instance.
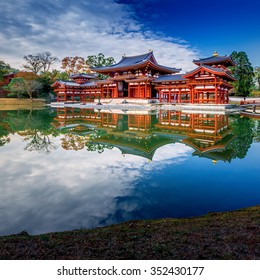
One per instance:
(243, 72)
(99, 61)
(5, 68)
(257, 77)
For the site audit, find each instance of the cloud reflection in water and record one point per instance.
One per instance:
(73, 189)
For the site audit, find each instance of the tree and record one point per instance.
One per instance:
(99, 61)
(73, 65)
(62, 76)
(33, 63)
(15, 87)
(45, 81)
(257, 76)
(19, 87)
(47, 61)
(243, 72)
(57, 75)
(38, 142)
(40, 62)
(243, 129)
(27, 75)
(32, 86)
(4, 65)
(35, 126)
(73, 142)
(48, 78)
(4, 69)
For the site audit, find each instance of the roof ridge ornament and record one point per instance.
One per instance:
(215, 53)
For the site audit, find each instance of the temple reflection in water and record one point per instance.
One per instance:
(142, 133)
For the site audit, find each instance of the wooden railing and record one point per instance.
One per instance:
(250, 102)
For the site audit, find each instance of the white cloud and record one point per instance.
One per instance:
(69, 28)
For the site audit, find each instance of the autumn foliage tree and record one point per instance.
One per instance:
(27, 75)
(73, 65)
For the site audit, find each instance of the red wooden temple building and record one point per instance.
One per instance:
(141, 77)
(210, 82)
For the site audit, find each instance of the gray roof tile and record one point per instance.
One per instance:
(215, 69)
(128, 61)
(74, 84)
(169, 78)
(133, 61)
(83, 75)
(215, 60)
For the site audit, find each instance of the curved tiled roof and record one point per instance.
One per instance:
(132, 60)
(74, 84)
(135, 62)
(83, 75)
(219, 71)
(226, 60)
(169, 78)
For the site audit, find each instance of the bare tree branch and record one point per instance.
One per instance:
(40, 62)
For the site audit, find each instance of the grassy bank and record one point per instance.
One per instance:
(230, 235)
(255, 93)
(15, 103)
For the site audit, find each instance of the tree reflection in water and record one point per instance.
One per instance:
(37, 141)
(223, 137)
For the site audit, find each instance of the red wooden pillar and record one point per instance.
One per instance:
(192, 121)
(216, 123)
(85, 95)
(149, 91)
(191, 95)
(102, 91)
(227, 100)
(216, 92)
(115, 93)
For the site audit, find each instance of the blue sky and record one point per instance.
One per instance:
(177, 31)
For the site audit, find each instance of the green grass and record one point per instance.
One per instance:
(255, 93)
(228, 235)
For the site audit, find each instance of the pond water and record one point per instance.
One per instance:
(64, 169)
